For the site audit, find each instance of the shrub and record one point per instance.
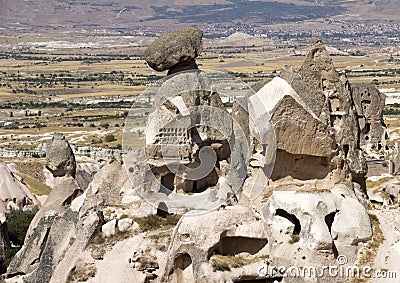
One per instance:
(12, 126)
(109, 138)
(10, 253)
(226, 263)
(153, 222)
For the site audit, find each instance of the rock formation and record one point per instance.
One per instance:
(64, 226)
(328, 94)
(13, 192)
(321, 218)
(273, 182)
(369, 103)
(175, 51)
(306, 148)
(229, 232)
(60, 159)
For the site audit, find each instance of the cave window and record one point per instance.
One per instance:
(183, 261)
(367, 127)
(183, 268)
(335, 120)
(329, 220)
(346, 149)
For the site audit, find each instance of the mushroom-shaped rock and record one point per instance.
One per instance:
(60, 159)
(175, 51)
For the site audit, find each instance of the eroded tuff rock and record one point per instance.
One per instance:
(64, 191)
(323, 219)
(64, 226)
(230, 232)
(308, 80)
(14, 193)
(328, 93)
(305, 147)
(297, 204)
(187, 125)
(369, 103)
(43, 250)
(60, 159)
(297, 129)
(175, 51)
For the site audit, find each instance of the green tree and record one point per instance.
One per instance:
(18, 223)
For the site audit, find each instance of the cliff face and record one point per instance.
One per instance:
(215, 195)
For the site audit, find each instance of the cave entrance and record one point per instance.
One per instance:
(167, 181)
(329, 218)
(300, 167)
(204, 183)
(231, 246)
(184, 269)
(292, 218)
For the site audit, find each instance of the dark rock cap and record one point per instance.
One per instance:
(175, 48)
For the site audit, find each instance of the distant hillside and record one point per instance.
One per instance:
(259, 11)
(128, 14)
(243, 39)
